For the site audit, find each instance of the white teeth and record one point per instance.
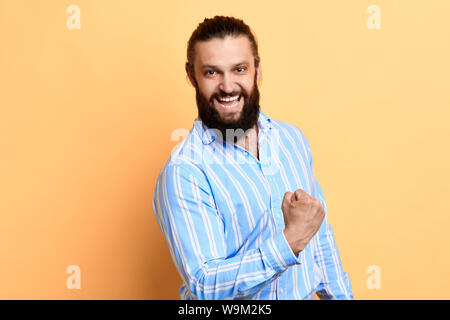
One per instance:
(230, 106)
(228, 99)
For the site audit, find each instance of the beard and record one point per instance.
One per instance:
(212, 119)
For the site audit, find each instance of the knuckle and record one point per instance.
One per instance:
(308, 200)
(317, 203)
(286, 197)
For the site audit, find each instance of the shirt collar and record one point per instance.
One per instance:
(207, 135)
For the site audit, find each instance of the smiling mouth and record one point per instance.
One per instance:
(229, 102)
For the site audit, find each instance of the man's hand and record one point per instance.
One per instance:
(303, 216)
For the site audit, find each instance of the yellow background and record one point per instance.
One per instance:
(86, 118)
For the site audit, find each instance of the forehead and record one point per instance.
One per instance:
(223, 52)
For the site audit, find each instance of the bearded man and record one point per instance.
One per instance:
(238, 203)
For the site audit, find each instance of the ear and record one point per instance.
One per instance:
(190, 76)
(258, 73)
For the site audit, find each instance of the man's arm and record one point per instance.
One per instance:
(335, 283)
(186, 213)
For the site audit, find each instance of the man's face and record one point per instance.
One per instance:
(225, 79)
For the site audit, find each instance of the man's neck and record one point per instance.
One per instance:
(250, 141)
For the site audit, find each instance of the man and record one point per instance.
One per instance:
(238, 203)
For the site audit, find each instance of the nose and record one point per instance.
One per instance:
(226, 83)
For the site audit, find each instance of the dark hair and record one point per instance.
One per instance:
(219, 27)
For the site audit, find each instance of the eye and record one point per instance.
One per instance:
(240, 69)
(210, 72)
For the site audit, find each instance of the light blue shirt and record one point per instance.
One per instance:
(219, 208)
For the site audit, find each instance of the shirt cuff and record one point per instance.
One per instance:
(279, 254)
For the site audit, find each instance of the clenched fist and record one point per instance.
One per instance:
(303, 216)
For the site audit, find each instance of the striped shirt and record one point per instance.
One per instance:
(219, 208)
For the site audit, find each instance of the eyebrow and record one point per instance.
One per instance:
(211, 66)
